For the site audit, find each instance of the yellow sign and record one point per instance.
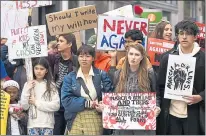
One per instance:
(4, 102)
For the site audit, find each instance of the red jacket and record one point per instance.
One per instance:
(103, 62)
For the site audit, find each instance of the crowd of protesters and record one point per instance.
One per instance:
(66, 93)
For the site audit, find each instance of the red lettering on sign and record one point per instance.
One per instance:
(120, 27)
(143, 27)
(106, 24)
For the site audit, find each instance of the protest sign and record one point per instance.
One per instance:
(111, 31)
(72, 20)
(201, 35)
(32, 4)
(125, 11)
(129, 110)
(33, 45)
(156, 47)
(5, 100)
(12, 20)
(180, 77)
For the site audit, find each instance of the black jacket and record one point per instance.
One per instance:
(198, 88)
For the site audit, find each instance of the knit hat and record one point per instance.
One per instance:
(10, 83)
(92, 41)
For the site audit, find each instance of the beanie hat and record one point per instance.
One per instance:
(92, 41)
(10, 83)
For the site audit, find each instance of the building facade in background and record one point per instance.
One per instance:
(173, 10)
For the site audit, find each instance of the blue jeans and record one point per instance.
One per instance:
(40, 131)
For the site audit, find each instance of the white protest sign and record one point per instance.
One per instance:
(32, 4)
(12, 20)
(129, 111)
(111, 31)
(125, 11)
(180, 77)
(35, 44)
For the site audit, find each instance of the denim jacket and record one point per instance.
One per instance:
(71, 93)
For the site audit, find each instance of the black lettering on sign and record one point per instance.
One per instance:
(37, 41)
(86, 22)
(54, 17)
(58, 28)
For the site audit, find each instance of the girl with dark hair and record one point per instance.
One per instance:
(135, 76)
(81, 95)
(42, 93)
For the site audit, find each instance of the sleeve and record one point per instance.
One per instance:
(161, 78)
(25, 97)
(50, 106)
(107, 82)
(111, 72)
(70, 102)
(202, 94)
(51, 60)
(3, 70)
(153, 85)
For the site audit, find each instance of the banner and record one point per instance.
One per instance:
(72, 20)
(156, 47)
(125, 11)
(111, 31)
(5, 101)
(180, 77)
(129, 111)
(34, 44)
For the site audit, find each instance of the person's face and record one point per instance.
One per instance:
(85, 60)
(186, 38)
(167, 34)
(129, 41)
(62, 44)
(134, 57)
(3, 41)
(40, 72)
(13, 92)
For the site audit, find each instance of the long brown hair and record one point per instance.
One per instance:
(142, 72)
(159, 29)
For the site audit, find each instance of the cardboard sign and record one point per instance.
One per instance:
(125, 11)
(72, 20)
(111, 31)
(180, 77)
(201, 34)
(129, 111)
(5, 100)
(156, 47)
(33, 45)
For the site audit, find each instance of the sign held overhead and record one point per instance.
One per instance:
(72, 20)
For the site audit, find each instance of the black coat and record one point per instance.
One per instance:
(198, 88)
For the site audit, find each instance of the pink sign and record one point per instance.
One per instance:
(129, 111)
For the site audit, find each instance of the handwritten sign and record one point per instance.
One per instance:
(33, 45)
(12, 20)
(129, 111)
(111, 31)
(5, 100)
(72, 20)
(32, 4)
(156, 47)
(180, 77)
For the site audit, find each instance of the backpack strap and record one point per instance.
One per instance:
(86, 90)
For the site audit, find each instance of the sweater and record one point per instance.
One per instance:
(45, 109)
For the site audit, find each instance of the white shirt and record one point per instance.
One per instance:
(14, 126)
(89, 83)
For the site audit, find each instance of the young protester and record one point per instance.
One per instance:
(180, 117)
(61, 64)
(17, 118)
(102, 59)
(52, 49)
(42, 93)
(81, 95)
(135, 76)
(163, 30)
(132, 37)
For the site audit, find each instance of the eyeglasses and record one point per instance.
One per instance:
(185, 33)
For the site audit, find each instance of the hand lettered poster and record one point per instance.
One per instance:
(111, 31)
(72, 20)
(156, 47)
(129, 111)
(180, 77)
(5, 100)
(34, 44)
